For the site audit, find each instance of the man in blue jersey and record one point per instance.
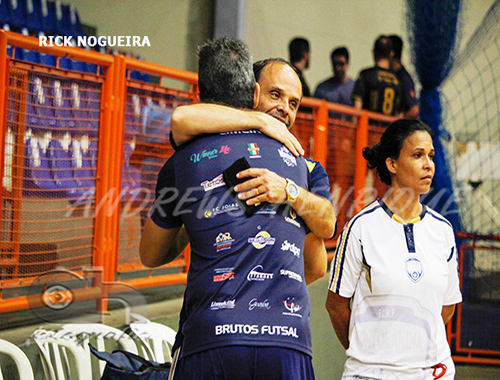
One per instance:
(280, 94)
(246, 305)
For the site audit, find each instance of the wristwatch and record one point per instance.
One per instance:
(291, 190)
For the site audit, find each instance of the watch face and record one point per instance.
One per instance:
(293, 190)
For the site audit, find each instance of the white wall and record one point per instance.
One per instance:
(270, 25)
(174, 27)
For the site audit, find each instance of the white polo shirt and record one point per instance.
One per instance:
(401, 275)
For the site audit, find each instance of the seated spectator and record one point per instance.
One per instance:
(338, 88)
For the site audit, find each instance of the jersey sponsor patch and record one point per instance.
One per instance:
(214, 211)
(414, 269)
(292, 219)
(255, 304)
(214, 183)
(218, 305)
(257, 274)
(269, 210)
(292, 307)
(223, 274)
(223, 241)
(254, 150)
(287, 246)
(291, 275)
(209, 154)
(287, 157)
(261, 240)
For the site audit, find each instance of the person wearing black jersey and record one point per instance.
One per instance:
(377, 88)
(246, 307)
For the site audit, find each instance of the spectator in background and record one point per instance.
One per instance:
(377, 88)
(404, 77)
(299, 51)
(338, 88)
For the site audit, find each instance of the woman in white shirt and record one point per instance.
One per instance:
(396, 261)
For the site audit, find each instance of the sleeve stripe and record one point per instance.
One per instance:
(338, 261)
(451, 254)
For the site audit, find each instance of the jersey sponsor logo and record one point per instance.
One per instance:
(287, 157)
(292, 307)
(225, 149)
(214, 211)
(256, 275)
(268, 210)
(223, 241)
(218, 305)
(237, 328)
(414, 269)
(216, 182)
(223, 274)
(291, 275)
(197, 157)
(261, 240)
(254, 150)
(259, 305)
(292, 218)
(287, 246)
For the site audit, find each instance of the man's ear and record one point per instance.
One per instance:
(391, 165)
(256, 95)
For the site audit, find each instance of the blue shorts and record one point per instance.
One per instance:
(244, 363)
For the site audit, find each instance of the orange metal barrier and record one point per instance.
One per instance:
(81, 152)
(473, 333)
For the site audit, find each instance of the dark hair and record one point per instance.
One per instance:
(390, 145)
(225, 73)
(382, 48)
(397, 46)
(297, 48)
(259, 66)
(342, 51)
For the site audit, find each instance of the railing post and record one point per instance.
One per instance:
(108, 187)
(360, 168)
(4, 85)
(321, 134)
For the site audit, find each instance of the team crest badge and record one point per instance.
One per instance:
(414, 269)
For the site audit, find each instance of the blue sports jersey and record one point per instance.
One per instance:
(246, 281)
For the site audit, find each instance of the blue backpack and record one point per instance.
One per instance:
(123, 365)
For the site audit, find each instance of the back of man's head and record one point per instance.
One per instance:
(297, 48)
(397, 46)
(339, 52)
(225, 74)
(382, 48)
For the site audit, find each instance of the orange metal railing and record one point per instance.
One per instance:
(120, 135)
(472, 334)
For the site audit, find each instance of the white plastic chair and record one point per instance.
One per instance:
(19, 357)
(97, 334)
(54, 354)
(155, 340)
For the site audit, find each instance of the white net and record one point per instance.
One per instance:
(471, 101)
